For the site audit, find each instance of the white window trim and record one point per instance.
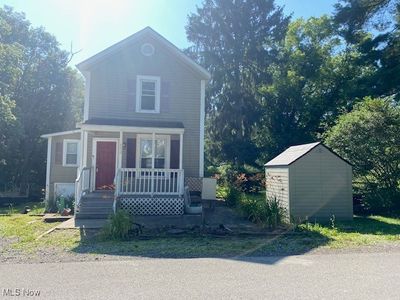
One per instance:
(139, 78)
(65, 152)
(167, 139)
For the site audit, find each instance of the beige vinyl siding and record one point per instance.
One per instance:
(277, 185)
(320, 186)
(59, 173)
(113, 93)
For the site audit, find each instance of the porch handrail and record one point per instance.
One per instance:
(82, 184)
(143, 181)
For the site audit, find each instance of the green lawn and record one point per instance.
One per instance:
(35, 207)
(361, 231)
(24, 230)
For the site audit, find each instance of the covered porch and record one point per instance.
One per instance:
(136, 163)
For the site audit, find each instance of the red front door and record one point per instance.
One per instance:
(105, 164)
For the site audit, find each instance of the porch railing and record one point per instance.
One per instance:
(82, 184)
(149, 182)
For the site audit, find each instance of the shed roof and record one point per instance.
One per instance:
(294, 153)
(291, 154)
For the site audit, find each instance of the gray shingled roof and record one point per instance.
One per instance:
(291, 154)
(135, 123)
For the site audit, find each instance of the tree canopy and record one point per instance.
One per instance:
(39, 93)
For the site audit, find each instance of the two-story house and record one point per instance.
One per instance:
(141, 140)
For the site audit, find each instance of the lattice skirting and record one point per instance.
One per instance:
(194, 183)
(157, 206)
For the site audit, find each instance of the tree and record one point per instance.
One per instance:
(369, 138)
(39, 91)
(373, 26)
(313, 80)
(235, 41)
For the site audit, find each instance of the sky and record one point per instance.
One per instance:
(93, 25)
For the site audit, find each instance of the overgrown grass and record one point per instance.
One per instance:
(261, 210)
(117, 227)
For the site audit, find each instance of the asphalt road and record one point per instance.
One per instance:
(328, 276)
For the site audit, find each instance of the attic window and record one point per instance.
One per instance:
(147, 49)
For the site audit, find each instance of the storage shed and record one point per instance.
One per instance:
(311, 181)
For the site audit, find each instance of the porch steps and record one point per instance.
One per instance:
(96, 205)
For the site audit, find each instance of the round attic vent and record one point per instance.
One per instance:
(147, 49)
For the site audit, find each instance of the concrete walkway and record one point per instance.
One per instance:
(82, 223)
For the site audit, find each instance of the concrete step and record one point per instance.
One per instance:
(95, 209)
(99, 195)
(97, 204)
(91, 216)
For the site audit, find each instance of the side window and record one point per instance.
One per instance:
(71, 153)
(148, 94)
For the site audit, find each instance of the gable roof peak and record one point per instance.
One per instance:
(86, 64)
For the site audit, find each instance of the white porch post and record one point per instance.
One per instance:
(182, 179)
(84, 143)
(81, 164)
(48, 163)
(153, 148)
(181, 151)
(202, 119)
(84, 155)
(153, 154)
(121, 142)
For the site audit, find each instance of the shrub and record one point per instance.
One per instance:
(118, 226)
(63, 202)
(226, 175)
(233, 196)
(263, 211)
(250, 183)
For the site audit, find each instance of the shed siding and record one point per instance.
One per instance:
(113, 93)
(58, 173)
(321, 186)
(277, 185)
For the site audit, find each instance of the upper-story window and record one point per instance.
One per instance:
(70, 153)
(148, 94)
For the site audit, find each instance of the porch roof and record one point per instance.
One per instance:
(134, 123)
